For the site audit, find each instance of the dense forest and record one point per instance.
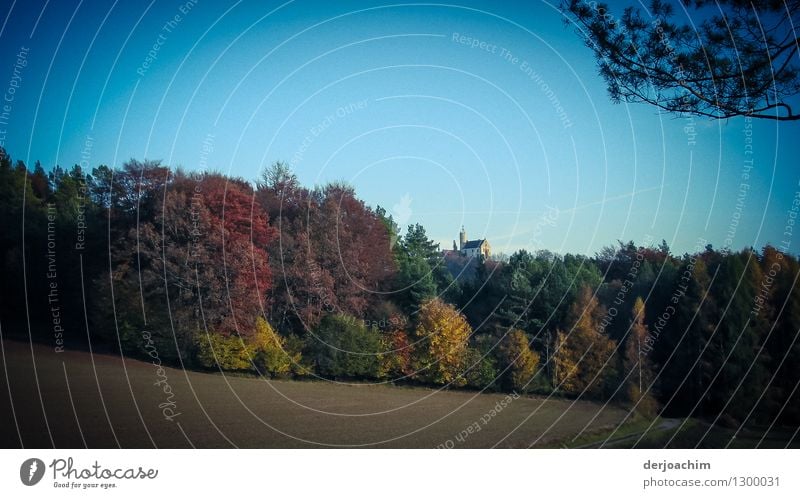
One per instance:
(273, 278)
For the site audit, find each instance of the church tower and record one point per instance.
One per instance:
(462, 238)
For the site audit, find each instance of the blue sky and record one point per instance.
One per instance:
(515, 138)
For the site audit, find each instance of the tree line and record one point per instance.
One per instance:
(277, 279)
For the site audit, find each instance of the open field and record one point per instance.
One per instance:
(101, 400)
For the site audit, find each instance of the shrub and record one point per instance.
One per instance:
(481, 369)
(226, 353)
(294, 346)
(345, 347)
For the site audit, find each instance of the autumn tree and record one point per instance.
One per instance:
(333, 253)
(518, 360)
(583, 354)
(220, 276)
(443, 334)
(195, 261)
(353, 245)
(216, 351)
(262, 351)
(727, 58)
(637, 371)
(271, 355)
(397, 349)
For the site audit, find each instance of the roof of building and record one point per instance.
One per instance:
(474, 244)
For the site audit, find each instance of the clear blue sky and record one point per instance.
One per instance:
(392, 99)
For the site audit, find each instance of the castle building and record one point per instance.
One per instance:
(472, 248)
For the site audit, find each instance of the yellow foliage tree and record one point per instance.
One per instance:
(225, 353)
(638, 368)
(519, 359)
(265, 350)
(443, 333)
(269, 350)
(581, 354)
